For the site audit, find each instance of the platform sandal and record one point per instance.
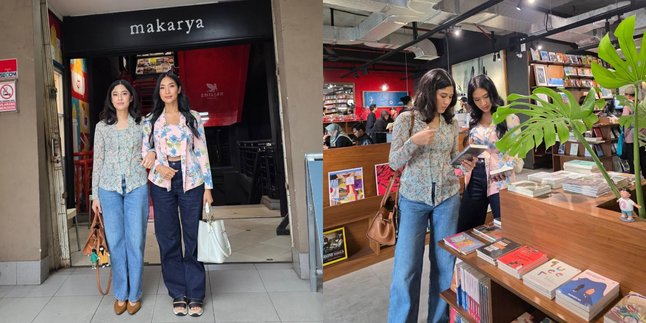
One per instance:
(179, 306)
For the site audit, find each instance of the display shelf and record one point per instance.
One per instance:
(450, 298)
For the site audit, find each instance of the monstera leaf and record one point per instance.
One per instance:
(622, 72)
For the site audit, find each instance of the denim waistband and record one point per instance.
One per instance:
(175, 164)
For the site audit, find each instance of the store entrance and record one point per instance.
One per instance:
(245, 158)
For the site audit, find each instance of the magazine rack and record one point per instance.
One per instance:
(574, 229)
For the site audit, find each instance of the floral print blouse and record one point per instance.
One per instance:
(494, 159)
(178, 141)
(117, 156)
(428, 176)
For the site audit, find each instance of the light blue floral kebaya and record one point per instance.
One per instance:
(178, 141)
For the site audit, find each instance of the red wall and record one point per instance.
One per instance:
(370, 82)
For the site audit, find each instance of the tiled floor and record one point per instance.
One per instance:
(252, 235)
(362, 296)
(234, 293)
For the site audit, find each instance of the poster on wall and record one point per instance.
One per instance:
(383, 98)
(80, 106)
(346, 186)
(463, 72)
(383, 173)
(55, 32)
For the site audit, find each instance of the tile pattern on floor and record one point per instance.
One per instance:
(234, 293)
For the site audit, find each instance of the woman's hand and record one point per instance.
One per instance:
(469, 164)
(96, 206)
(149, 160)
(498, 177)
(207, 197)
(424, 137)
(165, 172)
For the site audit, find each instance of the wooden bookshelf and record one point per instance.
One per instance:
(450, 298)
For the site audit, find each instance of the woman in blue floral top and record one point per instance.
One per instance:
(481, 189)
(428, 196)
(120, 192)
(181, 177)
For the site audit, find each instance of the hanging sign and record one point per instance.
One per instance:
(8, 96)
(8, 68)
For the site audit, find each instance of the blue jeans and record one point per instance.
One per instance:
(125, 216)
(184, 276)
(404, 291)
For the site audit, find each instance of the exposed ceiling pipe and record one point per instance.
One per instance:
(441, 27)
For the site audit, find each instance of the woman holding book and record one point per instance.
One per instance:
(428, 196)
(494, 170)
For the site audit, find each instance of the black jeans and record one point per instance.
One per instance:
(473, 207)
(183, 274)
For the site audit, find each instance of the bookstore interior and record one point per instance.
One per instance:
(568, 246)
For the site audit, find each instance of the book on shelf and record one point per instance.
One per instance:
(546, 278)
(552, 56)
(491, 252)
(489, 232)
(463, 243)
(472, 292)
(574, 148)
(598, 150)
(536, 56)
(524, 318)
(631, 308)
(554, 180)
(561, 150)
(529, 188)
(520, 261)
(587, 294)
(545, 57)
(469, 152)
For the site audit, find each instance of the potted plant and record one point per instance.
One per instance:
(548, 121)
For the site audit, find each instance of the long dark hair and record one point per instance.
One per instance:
(109, 113)
(182, 104)
(432, 81)
(484, 82)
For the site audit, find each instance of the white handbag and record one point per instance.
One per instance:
(212, 240)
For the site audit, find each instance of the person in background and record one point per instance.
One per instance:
(181, 177)
(335, 137)
(393, 113)
(370, 120)
(428, 197)
(379, 130)
(464, 106)
(628, 152)
(359, 131)
(481, 187)
(407, 102)
(120, 192)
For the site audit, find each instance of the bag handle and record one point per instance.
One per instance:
(399, 172)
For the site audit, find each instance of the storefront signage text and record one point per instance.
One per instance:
(165, 26)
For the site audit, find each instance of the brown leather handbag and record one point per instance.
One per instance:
(383, 226)
(96, 242)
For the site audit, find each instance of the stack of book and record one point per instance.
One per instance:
(554, 180)
(529, 188)
(631, 308)
(581, 166)
(489, 232)
(546, 278)
(587, 294)
(491, 252)
(473, 292)
(463, 243)
(590, 186)
(520, 261)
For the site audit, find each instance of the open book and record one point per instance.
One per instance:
(467, 153)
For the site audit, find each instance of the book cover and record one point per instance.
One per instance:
(383, 173)
(551, 275)
(334, 246)
(489, 232)
(522, 259)
(574, 149)
(346, 186)
(463, 242)
(468, 152)
(552, 57)
(498, 248)
(529, 188)
(631, 308)
(544, 56)
(588, 288)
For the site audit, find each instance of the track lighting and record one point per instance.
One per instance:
(519, 6)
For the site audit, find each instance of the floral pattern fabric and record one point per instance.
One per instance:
(428, 176)
(178, 141)
(117, 156)
(494, 159)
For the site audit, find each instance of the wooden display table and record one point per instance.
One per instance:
(571, 228)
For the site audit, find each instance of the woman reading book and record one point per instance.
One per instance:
(493, 170)
(428, 196)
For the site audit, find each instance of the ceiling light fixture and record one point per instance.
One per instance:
(539, 47)
(384, 87)
(457, 31)
(519, 6)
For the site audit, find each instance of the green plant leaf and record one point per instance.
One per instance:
(562, 130)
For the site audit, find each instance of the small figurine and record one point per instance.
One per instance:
(94, 258)
(103, 257)
(626, 206)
